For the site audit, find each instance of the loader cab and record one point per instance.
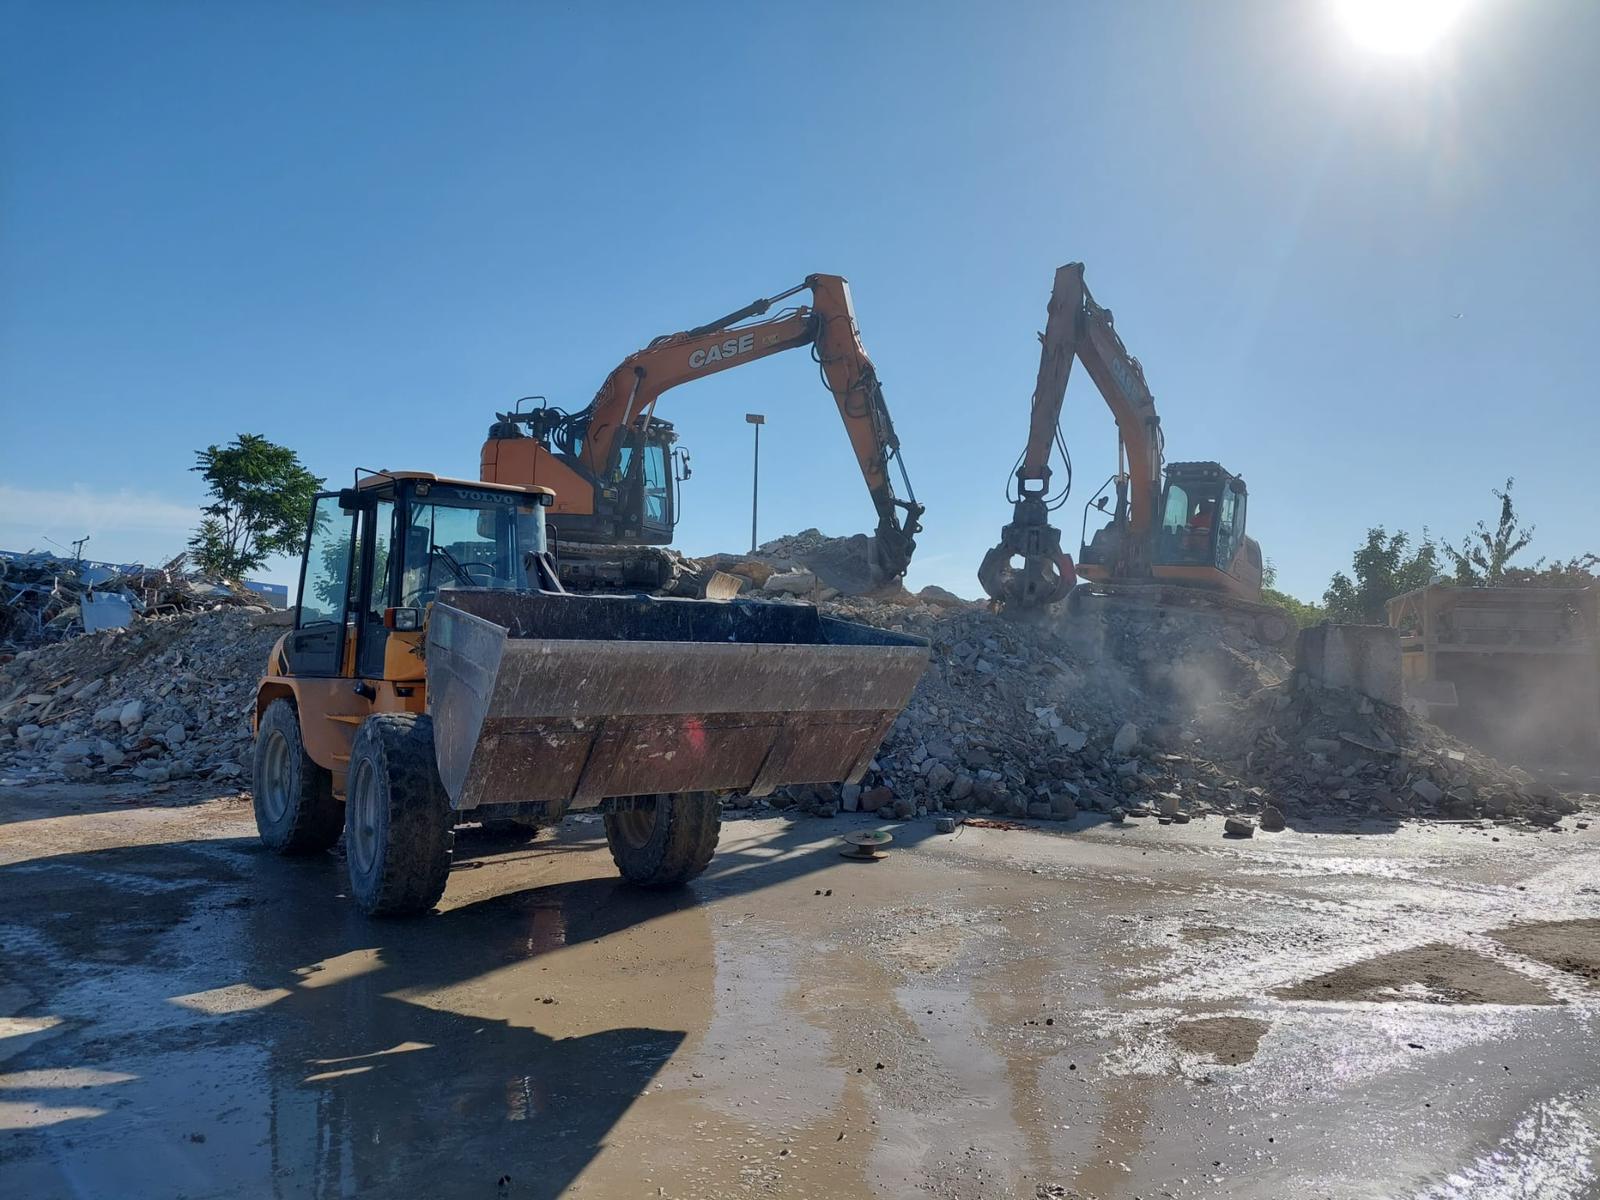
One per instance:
(378, 553)
(1202, 517)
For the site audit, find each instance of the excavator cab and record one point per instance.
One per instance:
(1202, 516)
(634, 502)
(1200, 540)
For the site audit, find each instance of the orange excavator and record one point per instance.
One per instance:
(614, 468)
(1175, 535)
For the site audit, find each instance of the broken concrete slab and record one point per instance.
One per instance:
(1360, 658)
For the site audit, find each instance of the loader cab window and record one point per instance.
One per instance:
(458, 537)
(315, 646)
(325, 582)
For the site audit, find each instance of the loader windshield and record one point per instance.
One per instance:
(457, 537)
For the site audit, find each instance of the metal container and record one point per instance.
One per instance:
(573, 699)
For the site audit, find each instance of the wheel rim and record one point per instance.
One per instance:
(637, 825)
(274, 782)
(362, 827)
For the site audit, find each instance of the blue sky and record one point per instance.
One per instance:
(359, 229)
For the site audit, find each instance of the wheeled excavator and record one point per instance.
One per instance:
(614, 467)
(1173, 534)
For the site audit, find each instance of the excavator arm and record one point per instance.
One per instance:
(628, 397)
(1028, 567)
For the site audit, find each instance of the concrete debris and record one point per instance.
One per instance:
(167, 698)
(1085, 719)
(790, 583)
(44, 599)
(1163, 715)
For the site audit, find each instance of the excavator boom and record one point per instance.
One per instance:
(1028, 567)
(589, 472)
(1179, 524)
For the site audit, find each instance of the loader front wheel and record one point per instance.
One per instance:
(665, 841)
(399, 830)
(292, 796)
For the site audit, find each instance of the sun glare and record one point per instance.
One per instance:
(1398, 27)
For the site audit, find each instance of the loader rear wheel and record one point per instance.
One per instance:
(292, 796)
(399, 830)
(666, 842)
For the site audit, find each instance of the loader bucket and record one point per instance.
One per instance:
(574, 699)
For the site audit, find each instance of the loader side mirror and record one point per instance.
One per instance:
(354, 500)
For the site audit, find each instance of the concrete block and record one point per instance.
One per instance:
(1361, 658)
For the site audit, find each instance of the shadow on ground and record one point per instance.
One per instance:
(231, 1025)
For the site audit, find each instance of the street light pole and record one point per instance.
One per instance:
(758, 421)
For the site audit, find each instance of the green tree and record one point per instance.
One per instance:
(1302, 613)
(1581, 570)
(1384, 567)
(260, 502)
(1484, 554)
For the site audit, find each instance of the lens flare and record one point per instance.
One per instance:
(1398, 27)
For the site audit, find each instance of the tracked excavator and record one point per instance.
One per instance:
(1169, 535)
(438, 673)
(614, 466)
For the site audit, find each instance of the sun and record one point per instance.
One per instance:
(1398, 27)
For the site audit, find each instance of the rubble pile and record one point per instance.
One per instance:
(809, 564)
(1317, 751)
(1165, 716)
(1044, 719)
(1131, 713)
(169, 697)
(43, 598)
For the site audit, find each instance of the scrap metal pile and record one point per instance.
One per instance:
(44, 599)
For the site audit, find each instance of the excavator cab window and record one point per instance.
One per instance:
(1192, 518)
(657, 488)
(1230, 524)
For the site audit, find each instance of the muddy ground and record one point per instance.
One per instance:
(1079, 1011)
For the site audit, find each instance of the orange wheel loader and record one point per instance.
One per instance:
(437, 672)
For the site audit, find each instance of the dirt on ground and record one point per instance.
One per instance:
(1227, 1040)
(1080, 1008)
(1570, 946)
(1437, 973)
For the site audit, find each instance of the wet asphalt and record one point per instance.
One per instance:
(1085, 1011)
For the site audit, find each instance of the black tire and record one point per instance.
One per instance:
(665, 843)
(399, 830)
(296, 812)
